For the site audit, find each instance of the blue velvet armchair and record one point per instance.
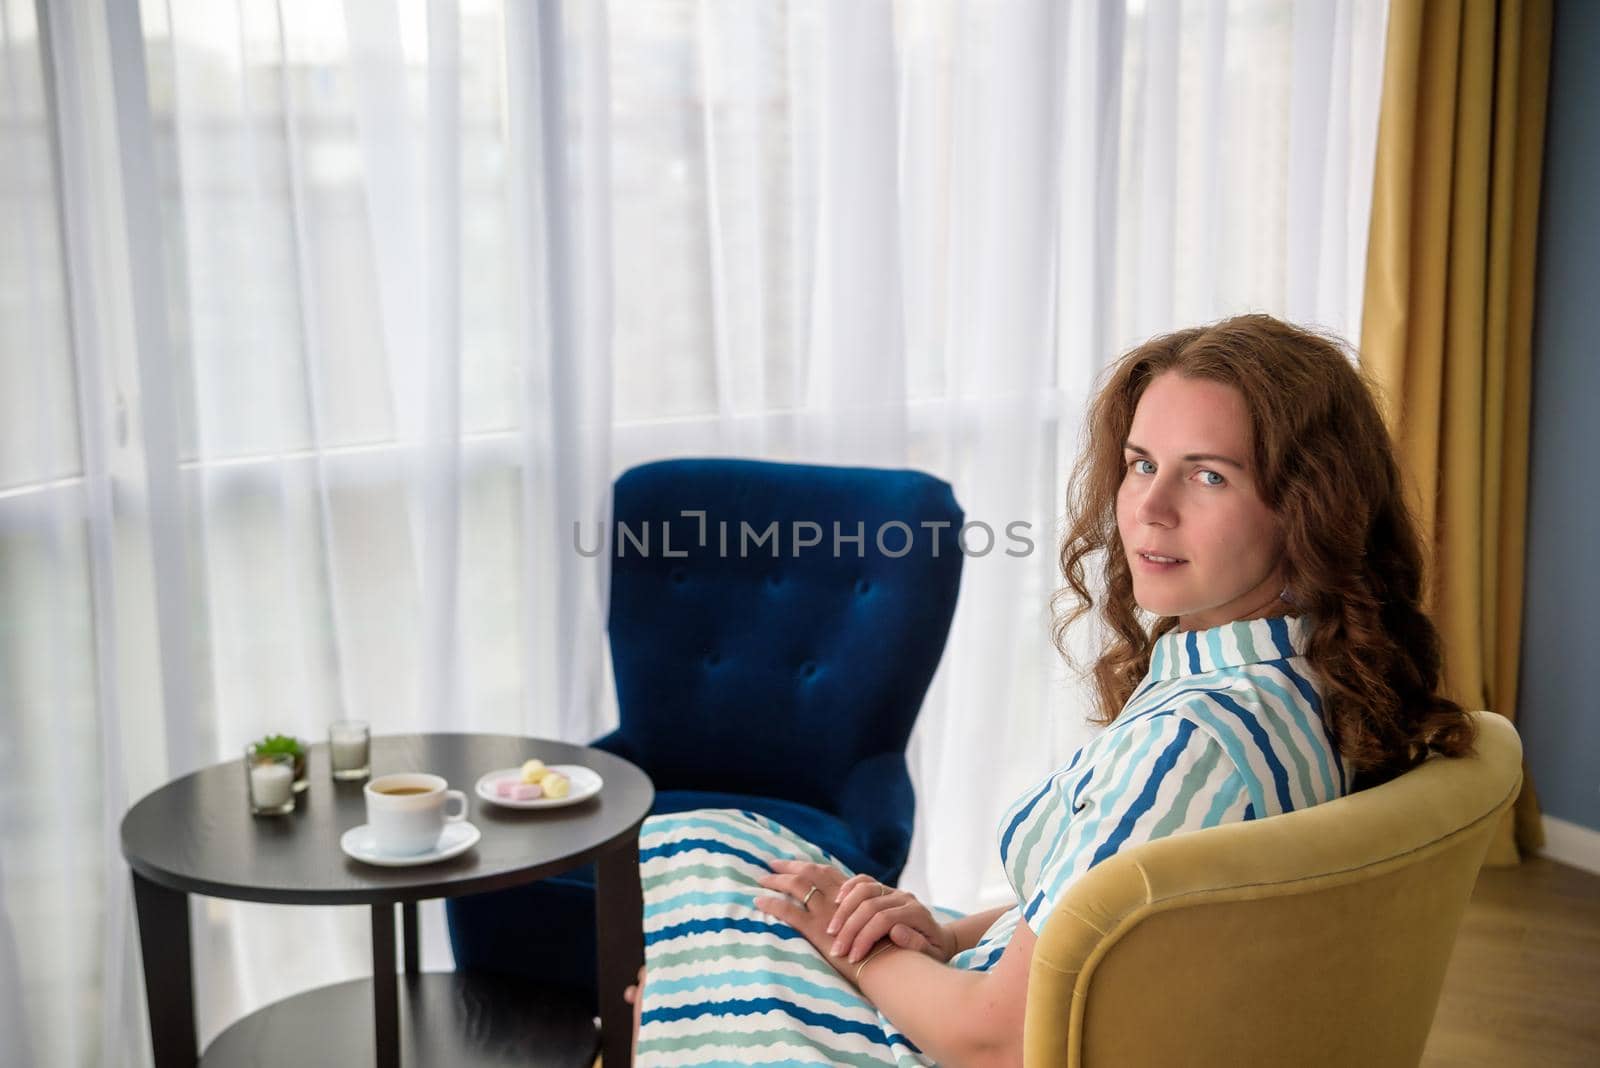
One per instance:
(770, 654)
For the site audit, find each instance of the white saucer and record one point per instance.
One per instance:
(585, 784)
(458, 837)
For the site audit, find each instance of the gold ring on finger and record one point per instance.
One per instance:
(807, 898)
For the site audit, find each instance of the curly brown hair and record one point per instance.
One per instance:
(1324, 464)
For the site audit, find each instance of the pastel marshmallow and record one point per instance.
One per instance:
(503, 787)
(533, 771)
(526, 791)
(556, 785)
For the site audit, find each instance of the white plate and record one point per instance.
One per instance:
(585, 784)
(360, 843)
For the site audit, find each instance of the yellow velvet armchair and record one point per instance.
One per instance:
(1315, 937)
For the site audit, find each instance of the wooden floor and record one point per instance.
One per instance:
(1524, 984)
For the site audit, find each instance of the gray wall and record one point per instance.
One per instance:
(1559, 703)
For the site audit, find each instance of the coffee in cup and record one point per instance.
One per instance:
(406, 811)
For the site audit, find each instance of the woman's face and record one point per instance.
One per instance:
(1189, 499)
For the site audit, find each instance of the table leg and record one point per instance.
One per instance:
(619, 931)
(385, 996)
(408, 929)
(168, 971)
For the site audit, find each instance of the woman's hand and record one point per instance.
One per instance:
(868, 910)
(796, 878)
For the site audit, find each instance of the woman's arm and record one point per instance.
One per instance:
(966, 931)
(868, 912)
(955, 1016)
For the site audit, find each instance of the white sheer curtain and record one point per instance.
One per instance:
(911, 234)
(322, 323)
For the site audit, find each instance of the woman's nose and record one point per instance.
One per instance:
(1156, 505)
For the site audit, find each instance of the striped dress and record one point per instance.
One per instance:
(1226, 726)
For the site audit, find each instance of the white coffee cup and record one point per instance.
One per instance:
(406, 811)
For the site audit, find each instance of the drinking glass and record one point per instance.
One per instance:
(350, 749)
(269, 779)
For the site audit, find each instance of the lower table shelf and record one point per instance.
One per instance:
(447, 1020)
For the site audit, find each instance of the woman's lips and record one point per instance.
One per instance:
(1155, 563)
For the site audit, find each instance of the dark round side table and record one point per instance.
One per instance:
(196, 835)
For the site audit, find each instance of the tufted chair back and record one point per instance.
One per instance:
(760, 666)
(795, 635)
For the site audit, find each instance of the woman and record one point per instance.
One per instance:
(1237, 486)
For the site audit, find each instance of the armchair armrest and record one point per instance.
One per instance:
(877, 801)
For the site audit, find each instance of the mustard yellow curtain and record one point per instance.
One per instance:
(1448, 318)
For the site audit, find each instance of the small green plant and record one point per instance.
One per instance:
(280, 743)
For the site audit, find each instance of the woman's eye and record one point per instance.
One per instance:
(1141, 470)
(1211, 478)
